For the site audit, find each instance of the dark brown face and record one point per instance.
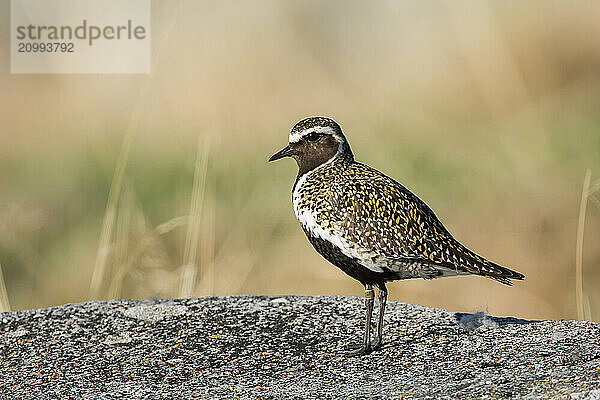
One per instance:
(314, 150)
(310, 149)
(313, 142)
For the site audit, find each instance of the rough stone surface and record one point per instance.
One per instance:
(288, 347)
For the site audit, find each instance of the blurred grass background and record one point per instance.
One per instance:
(489, 111)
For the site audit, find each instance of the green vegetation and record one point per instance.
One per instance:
(494, 125)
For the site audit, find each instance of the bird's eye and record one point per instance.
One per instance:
(313, 137)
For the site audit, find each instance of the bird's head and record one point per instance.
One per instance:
(313, 142)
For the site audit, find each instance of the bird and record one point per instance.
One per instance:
(368, 225)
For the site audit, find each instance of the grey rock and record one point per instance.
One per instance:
(291, 347)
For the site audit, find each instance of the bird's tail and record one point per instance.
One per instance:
(502, 274)
(476, 264)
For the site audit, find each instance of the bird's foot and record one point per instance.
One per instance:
(364, 349)
(377, 344)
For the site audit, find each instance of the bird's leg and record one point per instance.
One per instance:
(382, 300)
(369, 300)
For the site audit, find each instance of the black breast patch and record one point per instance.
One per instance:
(349, 265)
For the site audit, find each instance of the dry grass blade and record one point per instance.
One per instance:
(235, 259)
(123, 232)
(206, 286)
(110, 215)
(4, 304)
(148, 239)
(189, 270)
(130, 220)
(108, 221)
(581, 314)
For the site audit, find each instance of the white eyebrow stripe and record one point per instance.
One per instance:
(297, 136)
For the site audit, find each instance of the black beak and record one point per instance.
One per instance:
(286, 152)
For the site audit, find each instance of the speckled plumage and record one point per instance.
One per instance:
(366, 223)
(389, 230)
(381, 225)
